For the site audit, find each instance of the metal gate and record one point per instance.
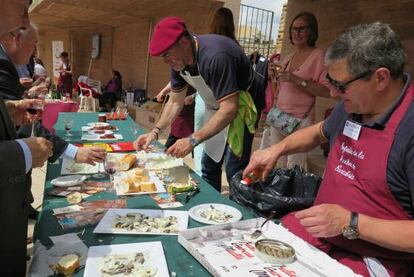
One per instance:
(255, 30)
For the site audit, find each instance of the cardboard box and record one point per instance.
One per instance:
(147, 119)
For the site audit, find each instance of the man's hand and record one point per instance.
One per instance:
(40, 148)
(161, 95)
(324, 221)
(39, 89)
(143, 141)
(262, 161)
(90, 155)
(17, 110)
(180, 148)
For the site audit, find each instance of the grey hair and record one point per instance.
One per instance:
(367, 47)
(29, 33)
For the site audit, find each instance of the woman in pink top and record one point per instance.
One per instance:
(298, 79)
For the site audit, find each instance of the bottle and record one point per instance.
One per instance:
(251, 178)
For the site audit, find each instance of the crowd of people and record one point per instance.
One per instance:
(362, 215)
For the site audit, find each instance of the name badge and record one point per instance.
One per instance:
(352, 130)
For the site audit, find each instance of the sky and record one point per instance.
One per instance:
(272, 5)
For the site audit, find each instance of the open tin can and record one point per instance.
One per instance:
(274, 251)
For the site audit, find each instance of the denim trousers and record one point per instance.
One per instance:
(211, 170)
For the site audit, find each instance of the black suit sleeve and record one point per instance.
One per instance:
(10, 87)
(12, 163)
(59, 145)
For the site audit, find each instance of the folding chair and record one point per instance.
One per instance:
(87, 101)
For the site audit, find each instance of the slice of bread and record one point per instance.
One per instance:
(148, 187)
(134, 187)
(68, 264)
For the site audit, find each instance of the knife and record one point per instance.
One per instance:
(190, 194)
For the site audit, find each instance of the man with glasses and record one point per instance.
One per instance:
(17, 157)
(363, 213)
(218, 69)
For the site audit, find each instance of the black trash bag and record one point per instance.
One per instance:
(285, 190)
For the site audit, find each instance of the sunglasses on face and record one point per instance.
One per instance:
(342, 86)
(300, 30)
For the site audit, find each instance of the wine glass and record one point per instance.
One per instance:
(134, 129)
(110, 163)
(68, 122)
(35, 112)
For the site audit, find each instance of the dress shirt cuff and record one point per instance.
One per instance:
(27, 154)
(70, 152)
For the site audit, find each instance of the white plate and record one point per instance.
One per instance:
(105, 132)
(67, 181)
(70, 167)
(98, 124)
(195, 211)
(153, 252)
(121, 186)
(105, 225)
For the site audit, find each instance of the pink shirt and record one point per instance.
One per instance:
(294, 99)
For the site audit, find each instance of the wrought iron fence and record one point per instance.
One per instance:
(255, 30)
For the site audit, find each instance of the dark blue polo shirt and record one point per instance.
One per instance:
(400, 166)
(222, 64)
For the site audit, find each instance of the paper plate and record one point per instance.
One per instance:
(195, 213)
(98, 124)
(67, 181)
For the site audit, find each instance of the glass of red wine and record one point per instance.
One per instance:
(110, 165)
(68, 123)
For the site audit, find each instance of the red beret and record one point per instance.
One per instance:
(166, 34)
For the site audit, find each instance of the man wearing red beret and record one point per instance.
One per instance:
(221, 73)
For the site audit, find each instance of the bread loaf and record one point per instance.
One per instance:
(68, 264)
(127, 162)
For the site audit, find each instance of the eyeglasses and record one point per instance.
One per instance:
(300, 30)
(341, 87)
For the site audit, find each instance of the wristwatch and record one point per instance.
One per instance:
(351, 231)
(304, 84)
(194, 142)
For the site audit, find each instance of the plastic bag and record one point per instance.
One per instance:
(285, 190)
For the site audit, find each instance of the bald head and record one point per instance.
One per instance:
(13, 15)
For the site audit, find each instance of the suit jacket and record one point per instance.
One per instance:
(14, 203)
(10, 88)
(14, 191)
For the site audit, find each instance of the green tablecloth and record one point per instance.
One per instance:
(178, 259)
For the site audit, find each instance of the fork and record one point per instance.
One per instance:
(257, 233)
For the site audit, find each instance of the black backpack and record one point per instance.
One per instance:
(258, 87)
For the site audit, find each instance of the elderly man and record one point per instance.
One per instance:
(363, 213)
(221, 73)
(19, 48)
(17, 157)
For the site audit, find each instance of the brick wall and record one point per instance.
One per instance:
(334, 16)
(123, 48)
(46, 36)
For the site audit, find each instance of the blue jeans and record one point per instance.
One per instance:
(211, 171)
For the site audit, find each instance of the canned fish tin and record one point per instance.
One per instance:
(274, 251)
